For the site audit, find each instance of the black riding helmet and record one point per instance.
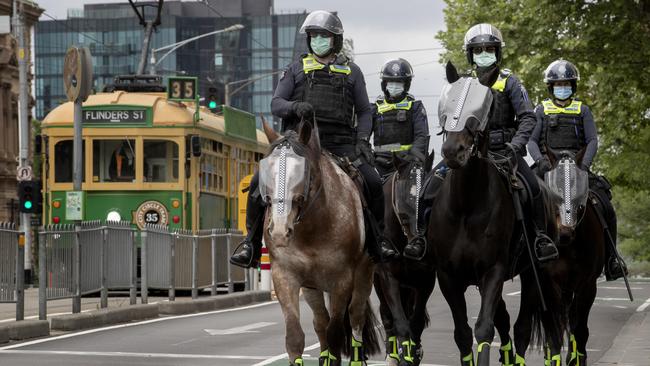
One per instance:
(483, 35)
(396, 70)
(561, 70)
(321, 20)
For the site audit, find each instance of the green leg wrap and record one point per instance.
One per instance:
(407, 350)
(468, 360)
(575, 357)
(519, 360)
(507, 356)
(391, 347)
(358, 356)
(326, 358)
(297, 362)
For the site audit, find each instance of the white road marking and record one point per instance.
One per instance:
(619, 288)
(284, 355)
(133, 354)
(513, 293)
(250, 328)
(620, 307)
(136, 324)
(643, 306)
(613, 299)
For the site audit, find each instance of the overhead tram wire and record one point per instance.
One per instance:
(59, 21)
(398, 51)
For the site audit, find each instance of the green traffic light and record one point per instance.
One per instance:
(28, 205)
(212, 104)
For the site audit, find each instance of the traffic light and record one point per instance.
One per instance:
(29, 196)
(212, 100)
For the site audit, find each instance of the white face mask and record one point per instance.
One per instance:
(394, 88)
(485, 59)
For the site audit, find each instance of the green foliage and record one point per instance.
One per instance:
(609, 43)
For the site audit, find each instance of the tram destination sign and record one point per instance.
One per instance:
(114, 116)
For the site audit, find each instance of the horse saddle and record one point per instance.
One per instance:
(351, 169)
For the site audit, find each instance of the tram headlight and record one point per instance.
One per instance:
(113, 216)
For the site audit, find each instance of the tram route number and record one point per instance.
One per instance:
(182, 89)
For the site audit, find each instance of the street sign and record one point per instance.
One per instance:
(74, 205)
(182, 89)
(77, 74)
(24, 173)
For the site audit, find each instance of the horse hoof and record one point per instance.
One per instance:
(390, 361)
(578, 361)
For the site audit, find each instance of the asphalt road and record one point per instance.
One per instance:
(254, 335)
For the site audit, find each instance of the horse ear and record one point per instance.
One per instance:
(314, 140)
(428, 163)
(489, 78)
(452, 73)
(268, 131)
(304, 132)
(551, 156)
(580, 155)
(399, 161)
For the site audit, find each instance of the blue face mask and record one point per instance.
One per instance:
(485, 59)
(562, 92)
(394, 89)
(321, 45)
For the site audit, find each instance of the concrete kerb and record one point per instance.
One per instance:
(104, 317)
(24, 329)
(213, 303)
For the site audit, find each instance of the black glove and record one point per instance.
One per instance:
(303, 110)
(513, 152)
(544, 165)
(364, 151)
(416, 156)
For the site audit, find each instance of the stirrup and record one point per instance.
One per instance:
(541, 237)
(412, 243)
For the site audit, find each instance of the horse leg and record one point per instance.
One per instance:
(420, 318)
(339, 300)
(492, 286)
(524, 324)
(316, 302)
(401, 342)
(288, 291)
(455, 296)
(364, 340)
(584, 300)
(502, 323)
(386, 319)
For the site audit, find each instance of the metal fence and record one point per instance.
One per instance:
(182, 260)
(12, 256)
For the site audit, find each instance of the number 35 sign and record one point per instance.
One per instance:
(151, 212)
(183, 89)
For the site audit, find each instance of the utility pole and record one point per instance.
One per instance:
(23, 130)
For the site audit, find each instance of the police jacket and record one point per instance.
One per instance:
(337, 92)
(512, 119)
(400, 126)
(564, 128)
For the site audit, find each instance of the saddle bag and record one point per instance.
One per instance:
(499, 138)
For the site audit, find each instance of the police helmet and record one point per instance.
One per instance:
(483, 35)
(561, 70)
(396, 70)
(321, 20)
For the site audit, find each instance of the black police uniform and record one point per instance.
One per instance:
(399, 126)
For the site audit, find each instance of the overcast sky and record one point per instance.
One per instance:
(379, 25)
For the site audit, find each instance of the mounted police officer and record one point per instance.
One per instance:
(399, 124)
(566, 124)
(324, 84)
(511, 123)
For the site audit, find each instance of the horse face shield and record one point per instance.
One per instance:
(572, 184)
(283, 179)
(407, 191)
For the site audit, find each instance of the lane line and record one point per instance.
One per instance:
(284, 355)
(612, 298)
(127, 325)
(513, 293)
(133, 354)
(619, 288)
(250, 328)
(643, 306)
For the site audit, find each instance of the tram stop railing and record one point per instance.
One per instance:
(12, 274)
(98, 257)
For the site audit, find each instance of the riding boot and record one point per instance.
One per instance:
(545, 249)
(250, 249)
(379, 247)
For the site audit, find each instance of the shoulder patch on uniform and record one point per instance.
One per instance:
(524, 93)
(506, 72)
(284, 73)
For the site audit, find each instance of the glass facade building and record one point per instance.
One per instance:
(114, 36)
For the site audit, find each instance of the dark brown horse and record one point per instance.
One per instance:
(473, 228)
(403, 285)
(315, 235)
(582, 257)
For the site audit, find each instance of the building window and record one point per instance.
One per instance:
(114, 160)
(160, 161)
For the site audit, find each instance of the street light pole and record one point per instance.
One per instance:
(174, 46)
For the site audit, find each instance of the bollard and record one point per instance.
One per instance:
(144, 291)
(133, 290)
(42, 279)
(102, 268)
(195, 267)
(265, 267)
(20, 278)
(213, 240)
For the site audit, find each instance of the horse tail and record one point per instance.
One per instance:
(369, 334)
(548, 327)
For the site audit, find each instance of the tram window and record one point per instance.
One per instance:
(114, 160)
(63, 161)
(160, 161)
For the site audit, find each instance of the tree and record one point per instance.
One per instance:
(608, 42)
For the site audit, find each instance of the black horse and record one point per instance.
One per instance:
(582, 248)
(473, 227)
(403, 285)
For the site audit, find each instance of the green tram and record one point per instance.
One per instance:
(150, 158)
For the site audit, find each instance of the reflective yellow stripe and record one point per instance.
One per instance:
(309, 64)
(383, 107)
(500, 84)
(573, 108)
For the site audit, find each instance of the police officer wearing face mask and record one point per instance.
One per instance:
(400, 125)
(511, 123)
(564, 123)
(328, 87)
